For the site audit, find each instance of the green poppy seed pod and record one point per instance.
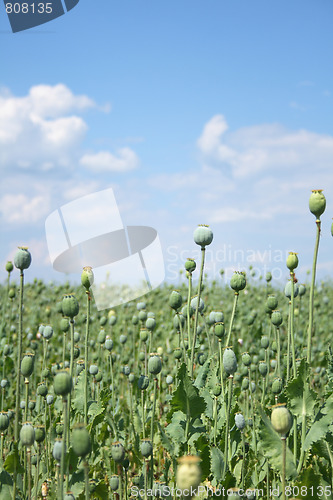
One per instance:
(140, 306)
(4, 421)
(39, 433)
(229, 361)
(103, 320)
(135, 320)
(143, 382)
(268, 276)
(217, 390)
(218, 316)
(175, 300)
(281, 419)
(194, 303)
(264, 342)
(146, 448)
(64, 325)
(62, 383)
(277, 386)
(112, 320)
(69, 496)
(49, 399)
(143, 315)
(11, 293)
(154, 364)
(178, 321)
(219, 330)
(271, 302)
(141, 356)
(123, 339)
(27, 364)
(188, 475)
(246, 359)
(27, 435)
(301, 290)
(288, 290)
(47, 332)
(245, 384)
(263, 368)
(317, 202)
(42, 390)
(144, 334)
(203, 235)
(150, 324)
(81, 441)
(276, 318)
(292, 262)
(190, 265)
(169, 379)
(87, 277)
(101, 336)
(233, 494)
(177, 353)
(126, 370)
(70, 306)
(108, 344)
(114, 482)
(93, 370)
(57, 450)
(22, 258)
(9, 266)
(238, 281)
(117, 452)
(240, 421)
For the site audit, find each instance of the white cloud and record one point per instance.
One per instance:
(43, 130)
(104, 161)
(263, 148)
(19, 208)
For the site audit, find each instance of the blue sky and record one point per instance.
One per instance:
(194, 112)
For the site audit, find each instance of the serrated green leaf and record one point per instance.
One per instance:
(311, 483)
(9, 465)
(203, 372)
(78, 400)
(271, 446)
(96, 413)
(321, 424)
(186, 397)
(205, 394)
(302, 399)
(216, 464)
(176, 428)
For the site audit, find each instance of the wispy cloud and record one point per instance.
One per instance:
(104, 161)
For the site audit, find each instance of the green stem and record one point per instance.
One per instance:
(26, 382)
(18, 373)
(215, 419)
(86, 360)
(278, 351)
(232, 317)
(226, 439)
(63, 450)
(152, 432)
(86, 480)
(284, 451)
(197, 309)
(314, 264)
(221, 367)
(292, 336)
(29, 472)
(188, 308)
(301, 458)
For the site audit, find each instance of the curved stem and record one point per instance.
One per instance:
(197, 309)
(292, 336)
(232, 317)
(314, 264)
(86, 361)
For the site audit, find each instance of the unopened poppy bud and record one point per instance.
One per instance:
(81, 441)
(317, 202)
(27, 435)
(229, 361)
(87, 277)
(175, 300)
(292, 262)
(190, 265)
(9, 266)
